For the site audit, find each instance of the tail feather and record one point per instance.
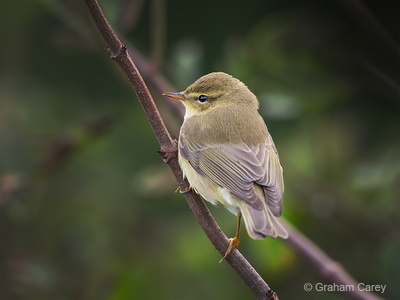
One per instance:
(262, 223)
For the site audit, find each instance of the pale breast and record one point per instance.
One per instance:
(201, 184)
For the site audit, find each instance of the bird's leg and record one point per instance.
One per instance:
(233, 242)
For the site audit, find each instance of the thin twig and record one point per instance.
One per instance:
(168, 149)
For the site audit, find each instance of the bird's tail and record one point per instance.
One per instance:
(262, 223)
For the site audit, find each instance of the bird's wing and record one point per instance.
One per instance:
(237, 167)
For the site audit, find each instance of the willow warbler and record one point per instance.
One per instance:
(228, 156)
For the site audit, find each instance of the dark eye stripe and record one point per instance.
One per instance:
(203, 98)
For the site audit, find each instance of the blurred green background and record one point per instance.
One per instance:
(87, 207)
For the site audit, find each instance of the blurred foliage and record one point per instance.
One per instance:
(87, 208)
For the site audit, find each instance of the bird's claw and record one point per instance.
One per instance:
(233, 244)
(184, 191)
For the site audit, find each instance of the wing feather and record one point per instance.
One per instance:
(237, 167)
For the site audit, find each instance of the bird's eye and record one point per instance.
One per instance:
(203, 98)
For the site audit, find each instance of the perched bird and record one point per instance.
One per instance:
(228, 156)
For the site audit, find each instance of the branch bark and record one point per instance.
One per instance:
(168, 149)
(326, 267)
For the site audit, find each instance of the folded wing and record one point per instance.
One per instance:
(237, 167)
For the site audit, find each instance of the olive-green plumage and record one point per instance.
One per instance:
(228, 155)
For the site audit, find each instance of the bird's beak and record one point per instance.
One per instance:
(178, 96)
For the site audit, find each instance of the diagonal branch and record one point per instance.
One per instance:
(168, 149)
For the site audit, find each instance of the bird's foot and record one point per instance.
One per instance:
(233, 244)
(184, 191)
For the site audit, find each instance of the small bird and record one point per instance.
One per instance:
(228, 156)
